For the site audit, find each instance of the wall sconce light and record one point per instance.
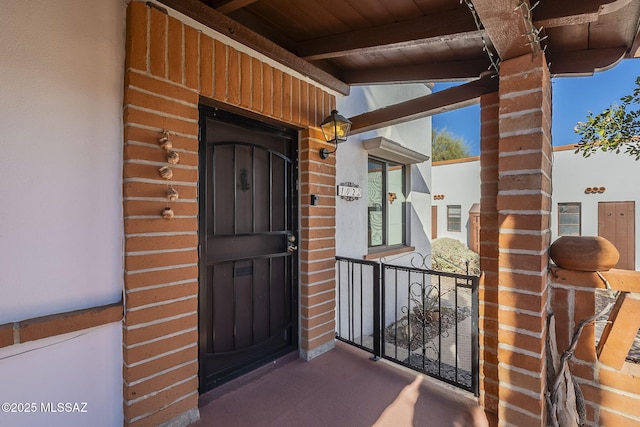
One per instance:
(335, 129)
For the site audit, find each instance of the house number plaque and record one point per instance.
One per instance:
(349, 191)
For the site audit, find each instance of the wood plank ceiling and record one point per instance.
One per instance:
(339, 43)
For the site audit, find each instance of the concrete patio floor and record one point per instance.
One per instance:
(342, 387)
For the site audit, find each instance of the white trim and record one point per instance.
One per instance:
(391, 150)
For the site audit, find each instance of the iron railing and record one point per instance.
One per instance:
(423, 319)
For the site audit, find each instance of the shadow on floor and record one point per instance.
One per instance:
(342, 387)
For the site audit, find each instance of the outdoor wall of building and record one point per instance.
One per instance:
(459, 183)
(61, 78)
(351, 221)
(573, 175)
(352, 166)
(83, 369)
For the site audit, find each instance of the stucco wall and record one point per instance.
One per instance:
(61, 131)
(81, 367)
(460, 185)
(351, 216)
(572, 174)
(61, 79)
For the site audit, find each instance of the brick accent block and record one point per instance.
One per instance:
(174, 51)
(158, 43)
(6, 335)
(191, 57)
(57, 324)
(136, 38)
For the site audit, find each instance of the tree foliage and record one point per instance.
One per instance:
(617, 128)
(447, 146)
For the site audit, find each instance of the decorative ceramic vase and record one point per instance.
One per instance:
(584, 253)
(172, 194)
(166, 172)
(167, 213)
(166, 144)
(173, 157)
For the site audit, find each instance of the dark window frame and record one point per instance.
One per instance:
(385, 167)
(565, 215)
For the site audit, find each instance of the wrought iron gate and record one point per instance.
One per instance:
(423, 319)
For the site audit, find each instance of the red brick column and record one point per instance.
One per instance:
(160, 332)
(317, 252)
(169, 66)
(488, 294)
(524, 203)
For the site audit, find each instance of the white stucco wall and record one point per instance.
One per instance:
(61, 89)
(61, 80)
(572, 174)
(80, 367)
(460, 184)
(351, 216)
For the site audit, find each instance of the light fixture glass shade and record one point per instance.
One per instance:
(335, 128)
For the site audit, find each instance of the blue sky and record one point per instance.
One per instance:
(573, 98)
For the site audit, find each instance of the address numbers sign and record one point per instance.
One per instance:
(349, 191)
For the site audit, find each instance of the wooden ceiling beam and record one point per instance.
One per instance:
(424, 106)
(634, 52)
(507, 26)
(563, 13)
(584, 62)
(439, 28)
(232, 29)
(429, 72)
(448, 27)
(234, 5)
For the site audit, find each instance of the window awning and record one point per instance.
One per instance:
(391, 150)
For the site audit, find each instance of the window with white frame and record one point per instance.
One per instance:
(387, 204)
(454, 218)
(569, 219)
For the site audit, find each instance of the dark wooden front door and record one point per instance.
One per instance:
(248, 257)
(616, 223)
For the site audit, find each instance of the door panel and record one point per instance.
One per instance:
(474, 232)
(247, 312)
(434, 222)
(616, 223)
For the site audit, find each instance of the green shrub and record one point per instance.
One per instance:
(452, 255)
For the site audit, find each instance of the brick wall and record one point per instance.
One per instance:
(169, 66)
(612, 395)
(317, 253)
(488, 292)
(523, 206)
